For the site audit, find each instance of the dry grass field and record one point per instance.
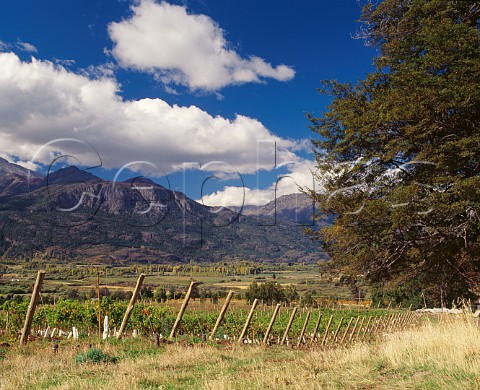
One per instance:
(443, 353)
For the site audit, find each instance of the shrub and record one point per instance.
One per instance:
(94, 355)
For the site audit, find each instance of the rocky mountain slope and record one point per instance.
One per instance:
(72, 214)
(297, 209)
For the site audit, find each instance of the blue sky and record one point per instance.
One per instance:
(172, 82)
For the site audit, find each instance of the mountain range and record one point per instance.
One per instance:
(73, 215)
(296, 208)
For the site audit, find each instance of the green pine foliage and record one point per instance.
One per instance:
(399, 152)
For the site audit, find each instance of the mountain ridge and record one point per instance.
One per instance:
(82, 214)
(8, 167)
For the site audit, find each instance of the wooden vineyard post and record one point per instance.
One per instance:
(408, 319)
(304, 328)
(378, 325)
(98, 306)
(221, 315)
(131, 304)
(182, 310)
(367, 327)
(346, 330)
(405, 319)
(247, 322)
(397, 320)
(354, 329)
(382, 326)
(402, 321)
(270, 325)
(31, 307)
(289, 325)
(338, 330)
(392, 322)
(316, 328)
(326, 330)
(360, 328)
(388, 322)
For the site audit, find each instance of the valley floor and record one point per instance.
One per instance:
(443, 353)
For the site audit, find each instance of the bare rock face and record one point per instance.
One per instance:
(13, 183)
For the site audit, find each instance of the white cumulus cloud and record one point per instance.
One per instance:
(185, 49)
(299, 175)
(41, 102)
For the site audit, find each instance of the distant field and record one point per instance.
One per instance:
(18, 278)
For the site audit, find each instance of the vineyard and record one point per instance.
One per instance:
(237, 321)
(198, 344)
(157, 318)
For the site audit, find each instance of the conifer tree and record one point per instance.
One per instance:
(399, 153)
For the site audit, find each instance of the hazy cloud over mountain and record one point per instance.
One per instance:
(299, 175)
